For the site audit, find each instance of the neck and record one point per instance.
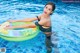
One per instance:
(45, 15)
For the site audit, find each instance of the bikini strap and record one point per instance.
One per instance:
(38, 18)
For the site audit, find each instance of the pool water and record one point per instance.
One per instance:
(65, 23)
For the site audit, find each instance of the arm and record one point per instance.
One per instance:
(32, 25)
(24, 20)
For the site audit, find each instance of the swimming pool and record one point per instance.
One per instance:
(65, 22)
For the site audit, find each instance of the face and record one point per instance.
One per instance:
(47, 9)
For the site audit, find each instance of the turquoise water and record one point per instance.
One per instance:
(65, 23)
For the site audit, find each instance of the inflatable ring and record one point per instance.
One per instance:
(18, 34)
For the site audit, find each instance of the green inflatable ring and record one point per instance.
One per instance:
(20, 34)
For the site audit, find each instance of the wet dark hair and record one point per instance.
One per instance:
(52, 4)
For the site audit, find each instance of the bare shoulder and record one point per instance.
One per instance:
(39, 16)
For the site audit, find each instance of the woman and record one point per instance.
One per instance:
(44, 23)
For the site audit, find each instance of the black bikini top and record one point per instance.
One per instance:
(41, 28)
(38, 19)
